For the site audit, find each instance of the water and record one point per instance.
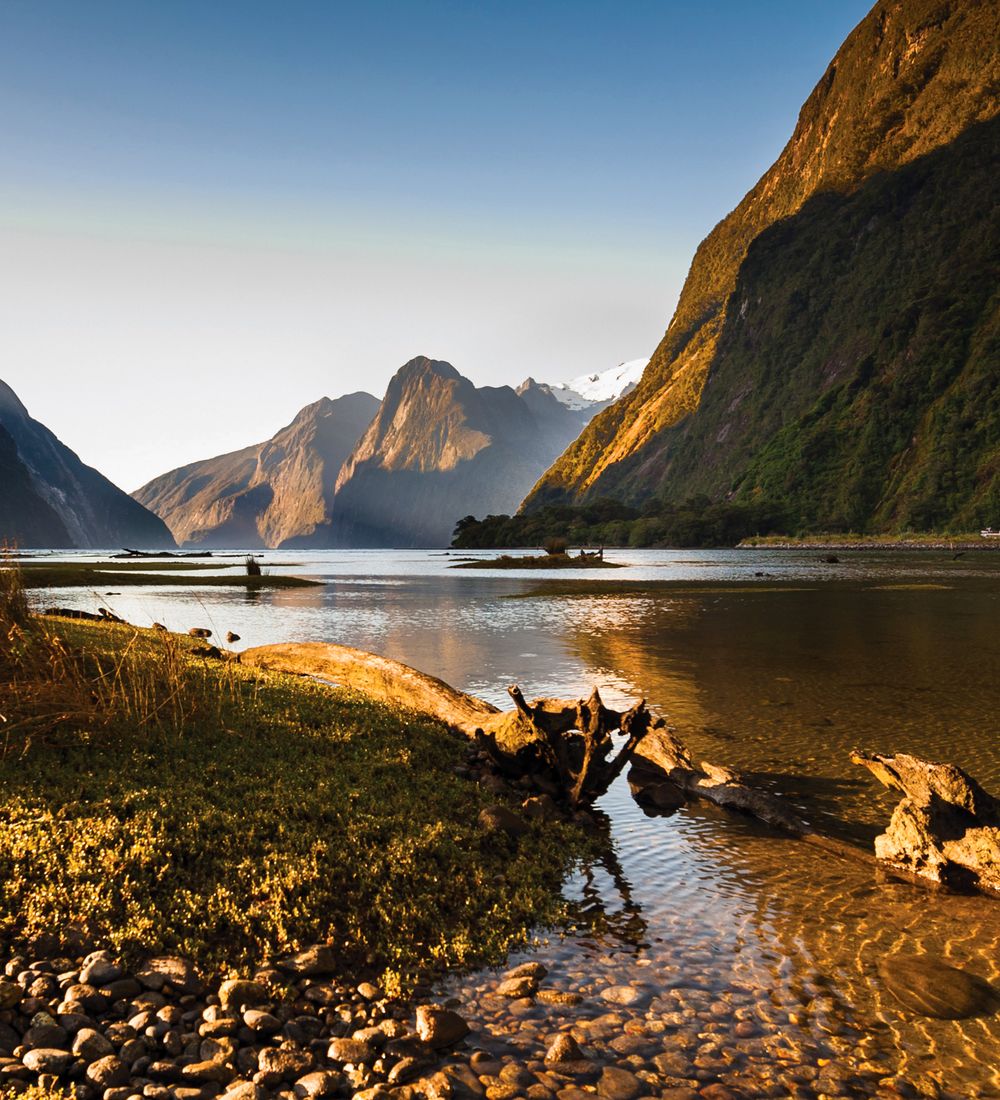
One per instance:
(754, 955)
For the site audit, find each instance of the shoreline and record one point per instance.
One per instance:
(963, 543)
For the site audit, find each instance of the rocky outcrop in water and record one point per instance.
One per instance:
(274, 494)
(48, 497)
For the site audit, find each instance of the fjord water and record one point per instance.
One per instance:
(750, 957)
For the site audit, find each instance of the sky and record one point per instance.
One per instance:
(214, 213)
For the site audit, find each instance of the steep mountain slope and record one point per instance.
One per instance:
(48, 497)
(441, 448)
(911, 78)
(277, 493)
(25, 517)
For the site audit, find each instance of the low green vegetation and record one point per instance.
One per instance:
(697, 522)
(153, 800)
(582, 560)
(101, 575)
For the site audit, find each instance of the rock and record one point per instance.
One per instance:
(237, 992)
(563, 1048)
(10, 994)
(664, 797)
(170, 970)
(100, 969)
(91, 1045)
(107, 1073)
(207, 1073)
(440, 1027)
(245, 1090)
(518, 987)
(624, 995)
(318, 1084)
(350, 1050)
(231, 637)
(559, 997)
(930, 988)
(200, 632)
(45, 1033)
(260, 1021)
(452, 1083)
(132, 1051)
(530, 969)
(287, 1062)
(618, 1084)
(498, 819)
(719, 1092)
(314, 962)
(47, 1060)
(405, 1070)
(539, 807)
(369, 992)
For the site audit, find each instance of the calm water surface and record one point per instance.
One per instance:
(754, 958)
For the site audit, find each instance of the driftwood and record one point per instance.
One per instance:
(945, 833)
(946, 829)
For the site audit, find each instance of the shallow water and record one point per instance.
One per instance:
(772, 661)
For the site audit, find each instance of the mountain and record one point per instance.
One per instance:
(50, 498)
(441, 448)
(274, 494)
(835, 344)
(597, 391)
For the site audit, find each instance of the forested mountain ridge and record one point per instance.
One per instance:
(912, 78)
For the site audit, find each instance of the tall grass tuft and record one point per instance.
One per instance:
(56, 692)
(253, 566)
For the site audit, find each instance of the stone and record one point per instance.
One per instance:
(287, 1062)
(406, 1069)
(318, 1084)
(314, 962)
(238, 992)
(90, 1045)
(264, 1022)
(245, 1090)
(132, 1051)
(107, 1073)
(930, 988)
(539, 807)
(45, 1033)
(440, 1027)
(200, 632)
(350, 1050)
(207, 1073)
(559, 997)
(452, 1083)
(100, 969)
(518, 987)
(530, 969)
(618, 1084)
(563, 1048)
(47, 1060)
(369, 991)
(624, 995)
(498, 819)
(170, 970)
(718, 1091)
(11, 994)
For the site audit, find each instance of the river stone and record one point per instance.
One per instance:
(288, 1063)
(100, 969)
(245, 1090)
(619, 1084)
(319, 1083)
(47, 1060)
(264, 1022)
(529, 969)
(10, 994)
(563, 1049)
(440, 1027)
(170, 970)
(930, 988)
(354, 1051)
(238, 992)
(207, 1073)
(518, 987)
(107, 1073)
(90, 1045)
(623, 995)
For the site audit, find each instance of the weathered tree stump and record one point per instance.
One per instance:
(946, 829)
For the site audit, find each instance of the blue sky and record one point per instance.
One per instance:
(234, 208)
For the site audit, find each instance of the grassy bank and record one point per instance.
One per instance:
(970, 540)
(100, 575)
(152, 800)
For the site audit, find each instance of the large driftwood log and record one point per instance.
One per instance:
(946, 829)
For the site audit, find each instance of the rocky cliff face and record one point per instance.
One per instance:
(273, 494)
(48, 497)
(916, 83)
(441, 448)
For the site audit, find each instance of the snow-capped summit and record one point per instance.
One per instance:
(601, 388)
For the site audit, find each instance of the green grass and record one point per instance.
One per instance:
(77, 575)
(155, 801)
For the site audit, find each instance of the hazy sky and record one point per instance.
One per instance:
(213, 213)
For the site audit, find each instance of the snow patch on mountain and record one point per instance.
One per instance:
(601, 388)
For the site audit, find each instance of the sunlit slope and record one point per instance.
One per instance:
(910, 79)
